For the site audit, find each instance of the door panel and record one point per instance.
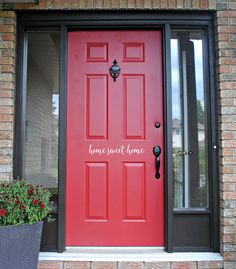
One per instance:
(113, 197)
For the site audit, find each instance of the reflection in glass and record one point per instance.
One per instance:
(188, 120)
(41, 135)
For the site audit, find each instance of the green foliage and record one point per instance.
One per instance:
(21, 202)
(200, 112)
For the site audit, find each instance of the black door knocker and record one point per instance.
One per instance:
(114, 70)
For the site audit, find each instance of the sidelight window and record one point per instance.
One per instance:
(189, 120)
(40, 153)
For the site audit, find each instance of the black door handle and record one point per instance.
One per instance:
(157, 152)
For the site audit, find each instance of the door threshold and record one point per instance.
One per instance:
(117, 254)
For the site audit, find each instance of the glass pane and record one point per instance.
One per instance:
(41, 137)
(189, 120)
(177, 125)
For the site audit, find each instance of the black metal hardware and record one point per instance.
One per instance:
(157, 125)
(114, 70)
(157, 152)
(185, 153)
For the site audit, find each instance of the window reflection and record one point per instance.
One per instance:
(188, 120)
(42, 112)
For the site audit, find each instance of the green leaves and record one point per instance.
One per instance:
(21, 202)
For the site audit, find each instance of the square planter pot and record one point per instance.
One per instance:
(19, 246)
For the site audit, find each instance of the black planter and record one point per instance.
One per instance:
(19, 246)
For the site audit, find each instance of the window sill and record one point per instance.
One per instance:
(139, 254)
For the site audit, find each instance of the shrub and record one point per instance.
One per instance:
(22, 202)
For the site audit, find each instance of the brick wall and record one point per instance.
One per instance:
(130, 265)
(226, 76)
(116, 4)
(7, 86)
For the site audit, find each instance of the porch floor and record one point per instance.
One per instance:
(127, 258)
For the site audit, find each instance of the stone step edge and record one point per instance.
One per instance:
(127, 255)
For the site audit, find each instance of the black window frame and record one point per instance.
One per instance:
(125, 20)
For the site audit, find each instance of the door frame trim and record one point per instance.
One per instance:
(119, 20)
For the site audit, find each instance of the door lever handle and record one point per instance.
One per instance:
(157, 152)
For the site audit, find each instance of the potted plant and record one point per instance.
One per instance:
(23, 207)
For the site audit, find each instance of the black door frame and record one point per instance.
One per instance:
(104, 20)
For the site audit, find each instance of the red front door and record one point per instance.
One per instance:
(113, 197)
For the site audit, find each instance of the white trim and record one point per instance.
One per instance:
(141, 254)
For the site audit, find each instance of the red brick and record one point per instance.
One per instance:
(226, 14)
(131, 3)
(228, 126)
(187, 4)
(195, 4)
(6, 85)
(104, 265)
(223, 37)
(204, 4)
(227, 85)
(212, 4)
(7, 45)
(115, 4)
(147, 4)
(26, 6)
(50, 265)
(230, 144)
(164, 4)
(9, 37)
(6, 109)
(7, 60)
(156, 3)
(233, 69)
(42, 4)
(6, 144)
(229, 187)
(229, 256)
(157, 265)
(228, 238)
(8, 53)
(130, 265)
(6, 117)
(7, 69)
(50, 4)
(227, 29)
(183, 265)
(229, 195)
(229, 265)
(210, 265)
(76, 265)
(6, 135)
(6, 94)
(227, 102)
(229, 178)
(228, 169)
(6, 126)
(179, 4)
(222, 21)
(7, 29)
(7, 14)
(227, 61)
(5, 160)
(227, 152)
